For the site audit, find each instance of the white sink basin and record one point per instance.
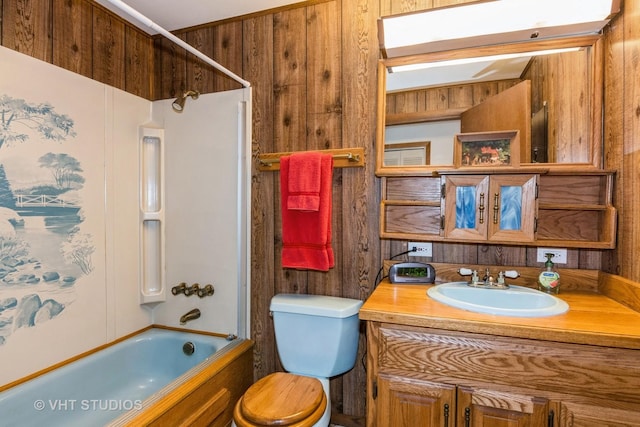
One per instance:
(514, 301)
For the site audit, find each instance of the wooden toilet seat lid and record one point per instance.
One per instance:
(283, 399)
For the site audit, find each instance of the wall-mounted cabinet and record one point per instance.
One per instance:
(484, 207)
(551, 208)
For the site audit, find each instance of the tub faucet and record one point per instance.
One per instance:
(190, 315)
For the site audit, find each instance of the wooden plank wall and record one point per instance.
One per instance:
(82, 37)
(313, 72)
(622, 136)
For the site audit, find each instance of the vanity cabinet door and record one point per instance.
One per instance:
(487, 408)
(465, 206)
(408, 402)
(592, 415)
(500, 208)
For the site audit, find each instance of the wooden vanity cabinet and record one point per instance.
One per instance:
(402, 401)
(430, 377)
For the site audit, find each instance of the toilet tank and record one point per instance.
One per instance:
(316, 335)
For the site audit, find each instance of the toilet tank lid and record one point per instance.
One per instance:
(315, 305)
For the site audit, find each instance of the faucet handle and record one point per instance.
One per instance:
(465, 272)
(179, 289)
(193, 289)
(511, 274)
(206, 291)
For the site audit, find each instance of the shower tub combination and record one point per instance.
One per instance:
(157, 376)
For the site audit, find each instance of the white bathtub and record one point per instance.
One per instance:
(123, 378)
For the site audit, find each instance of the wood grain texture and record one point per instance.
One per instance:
(72, 36)
(200, 76)
(210, 394)
(138, 63)
(258, 66)
(287, 398)
(26, 27)
(108, 49)
(227, 47)
(360, 188)
(592, 318)
(522, 382)
(629, 265)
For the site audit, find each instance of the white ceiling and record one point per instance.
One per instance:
(177, 14)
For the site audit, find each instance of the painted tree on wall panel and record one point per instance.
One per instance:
(30, 254)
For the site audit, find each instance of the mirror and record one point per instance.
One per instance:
(560, 122)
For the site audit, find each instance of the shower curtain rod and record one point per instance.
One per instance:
(149, 23)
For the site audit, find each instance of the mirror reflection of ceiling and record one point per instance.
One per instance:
(500, 69)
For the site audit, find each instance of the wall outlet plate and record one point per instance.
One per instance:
(559, 255)
(422, 248)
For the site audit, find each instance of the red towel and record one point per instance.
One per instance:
(304, 181)
(306, 235)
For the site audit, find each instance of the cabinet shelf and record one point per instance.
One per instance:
(572, 209)
(411, 203)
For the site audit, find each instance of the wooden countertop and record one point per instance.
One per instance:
(593, 318)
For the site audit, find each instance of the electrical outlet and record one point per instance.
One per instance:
(559, 255)
(421, 249)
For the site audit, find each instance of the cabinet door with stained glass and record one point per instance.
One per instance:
(499, 208)
(513, 207)
(465, 206)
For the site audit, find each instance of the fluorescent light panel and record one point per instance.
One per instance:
(463, 61)
(485, 22)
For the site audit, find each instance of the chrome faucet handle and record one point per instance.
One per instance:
(469, 272)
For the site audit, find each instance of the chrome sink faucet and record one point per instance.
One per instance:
(190, 315)
(488, 281)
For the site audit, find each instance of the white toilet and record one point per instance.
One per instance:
(316, 337)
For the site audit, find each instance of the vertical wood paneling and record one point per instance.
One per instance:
(80, 36)
(258, 69)
(26, 27)
(630, 227)
(324, 120)
(172, 80)
(614, 132)
(200, 76)
(138, 63)
(361, 190)
(72, 36)
(227, 50)
(324, 102)
(290, 113)
(108, 49)
(312, 69)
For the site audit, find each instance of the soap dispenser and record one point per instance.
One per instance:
(549, 278)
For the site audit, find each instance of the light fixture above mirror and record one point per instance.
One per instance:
(490, 22)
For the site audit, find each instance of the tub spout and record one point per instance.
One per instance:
(191, 315)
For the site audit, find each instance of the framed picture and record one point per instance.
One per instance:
(407, 154)
(487, 149)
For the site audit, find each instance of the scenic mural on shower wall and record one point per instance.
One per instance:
(43, 247)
